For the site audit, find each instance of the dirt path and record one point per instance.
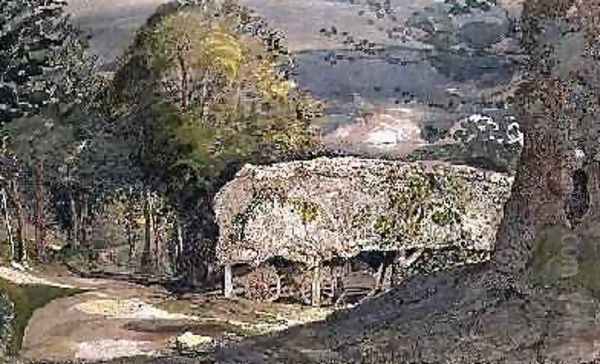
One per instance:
(96, 325)
(115, 319)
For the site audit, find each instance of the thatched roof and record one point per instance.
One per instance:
(336, 207)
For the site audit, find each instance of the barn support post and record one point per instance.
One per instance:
(316, 285)
(278, 287)
(228, 282)
(334, 283)
(379, 278)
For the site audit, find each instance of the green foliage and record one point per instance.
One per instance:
(187, 39)
(35, 38)
(422, 199)
(49, 92)
(309, 211)
(197, 96)
(406, 208)
(444, 217)
(221, 100)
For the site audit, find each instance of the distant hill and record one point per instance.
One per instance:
(441, 77)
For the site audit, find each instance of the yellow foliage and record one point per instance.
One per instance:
(239, 107)
(188, 38)
(269, 83)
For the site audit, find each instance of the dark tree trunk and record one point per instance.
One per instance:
(130, 240)
(40, 228)
(541, 189)
(8, 225)
(185, 93)
(557, 183)
(21, 236)
(130, 227)
(83, 218)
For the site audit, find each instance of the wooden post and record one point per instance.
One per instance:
(334, 283)
(228, 282)
(316, 286)
(379, 277)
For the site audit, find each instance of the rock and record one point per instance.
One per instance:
(337, 207)
(189, 342)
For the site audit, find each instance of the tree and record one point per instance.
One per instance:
(199, 96)
(198, 50)
(47, 83)
(559, 174)
(11, 197)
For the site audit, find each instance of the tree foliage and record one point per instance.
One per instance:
(200, 92)
(36, 37)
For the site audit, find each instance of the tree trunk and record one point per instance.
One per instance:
(130, 242)
(541, 188)
(238, 100)
(21, 236)
(40, 228)
(185, 93)
(74, 234)
(147, 258)
(179, 247)
(83, 219)
(334, 282)
(129, 227)
(8, 225)
(203, 96)
(556, 186)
